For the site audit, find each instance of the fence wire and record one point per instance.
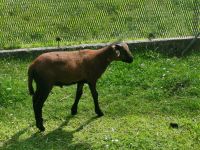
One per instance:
(25, 23)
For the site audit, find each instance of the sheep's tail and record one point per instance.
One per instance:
(30, 81)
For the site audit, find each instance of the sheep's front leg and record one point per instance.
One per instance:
(79, 92)
(95, 98)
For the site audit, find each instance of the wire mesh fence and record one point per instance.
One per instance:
(29, 23)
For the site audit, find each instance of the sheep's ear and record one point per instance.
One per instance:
(118, 45)
(116, 49)
(113, 47)
(117, 53)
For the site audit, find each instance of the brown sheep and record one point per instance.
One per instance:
(66, 68)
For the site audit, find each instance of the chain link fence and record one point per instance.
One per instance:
(33, 23)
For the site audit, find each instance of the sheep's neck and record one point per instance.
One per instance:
(104, 58)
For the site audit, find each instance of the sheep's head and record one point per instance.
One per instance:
(122, 52)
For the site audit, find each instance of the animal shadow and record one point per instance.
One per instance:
(56, 139)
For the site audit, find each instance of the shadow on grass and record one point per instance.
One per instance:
(57, 139)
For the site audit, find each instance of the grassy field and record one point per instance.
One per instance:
(37, 23)
(139, 100)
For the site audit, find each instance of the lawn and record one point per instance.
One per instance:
(139, 100)
(37, 23)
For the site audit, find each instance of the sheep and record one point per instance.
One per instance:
(72, 67)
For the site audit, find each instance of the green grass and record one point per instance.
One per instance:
(139, 100)
(37, 23)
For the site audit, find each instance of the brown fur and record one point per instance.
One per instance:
(66, 68)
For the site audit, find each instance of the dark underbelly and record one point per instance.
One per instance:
(61, 84)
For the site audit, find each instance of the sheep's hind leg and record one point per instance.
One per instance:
(79, 92)
(95, 98)
(39, 98)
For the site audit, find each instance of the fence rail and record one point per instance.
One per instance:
(38, 22)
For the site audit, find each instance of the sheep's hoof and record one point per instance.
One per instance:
(73, 111)
(100, 114)
(40, 127)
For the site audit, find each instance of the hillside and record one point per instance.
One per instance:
(37, 23)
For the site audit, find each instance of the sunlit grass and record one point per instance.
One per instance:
(139, 100)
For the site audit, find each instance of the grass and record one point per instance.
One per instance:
(139, 100)
(37, 24)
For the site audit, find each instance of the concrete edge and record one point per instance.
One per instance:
(161, 44)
